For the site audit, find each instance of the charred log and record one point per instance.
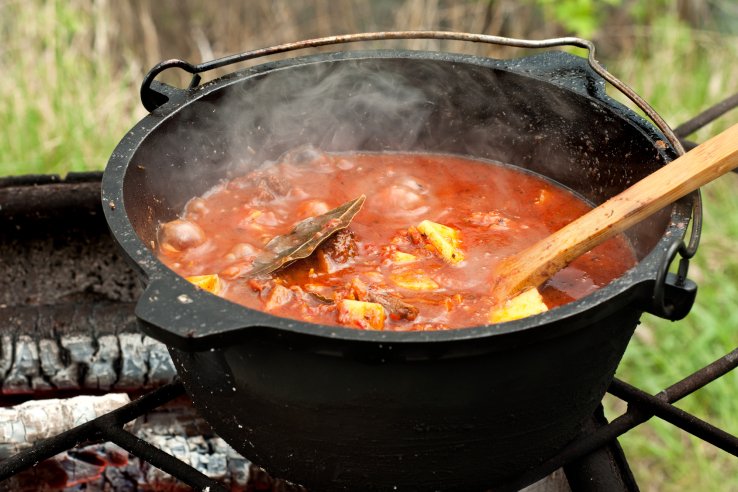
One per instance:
(24, 424)
(66, 318)
(78, 347)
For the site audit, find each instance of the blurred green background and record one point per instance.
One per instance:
(69, 92)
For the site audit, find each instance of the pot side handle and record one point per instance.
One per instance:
(673, 298)
(177, 313)
(673, 294)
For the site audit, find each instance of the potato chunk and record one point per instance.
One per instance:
(398, 257)
(277, 297)
(211, 283)
(361, 314)
(445, 239)
(526, 304)
(414, 280)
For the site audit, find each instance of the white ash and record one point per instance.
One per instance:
(6, 353)
(134, 367)
(50, 354)
(25, 373)
(23, 425)
(106, 466)
(160, 367)
(102, 372)
(212, 457)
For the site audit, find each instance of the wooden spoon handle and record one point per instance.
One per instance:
(539, 262)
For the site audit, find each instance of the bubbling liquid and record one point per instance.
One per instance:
(394, 267)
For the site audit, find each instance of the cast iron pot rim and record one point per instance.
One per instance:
(166, 291)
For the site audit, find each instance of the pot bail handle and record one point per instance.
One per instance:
(151, 99)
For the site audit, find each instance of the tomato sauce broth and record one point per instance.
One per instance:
(496, 210)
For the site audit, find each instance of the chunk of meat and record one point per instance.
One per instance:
(278, 296)
(278, 185)
(241, 251)
(266, 187)
(393, 303)
(259, 285)
(236, 269)
(319, 293)
(397, 308)
(179, 235)
(489, 220)
(358, 290)
(341, 246)
(336, 251)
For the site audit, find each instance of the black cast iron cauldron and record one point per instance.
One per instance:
(335, 408)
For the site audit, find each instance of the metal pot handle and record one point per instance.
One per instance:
(183, 316)
(151, 99)
(673, 293)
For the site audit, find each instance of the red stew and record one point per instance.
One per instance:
(384, 271)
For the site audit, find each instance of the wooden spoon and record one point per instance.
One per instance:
(537, 263)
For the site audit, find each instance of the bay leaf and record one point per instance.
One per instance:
(302, 240)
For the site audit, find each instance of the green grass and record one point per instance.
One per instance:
(69, 92)
(662, 457)
(63, 105)
(688, 72)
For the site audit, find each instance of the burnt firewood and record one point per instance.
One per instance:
(78, 348)
(23, 425)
